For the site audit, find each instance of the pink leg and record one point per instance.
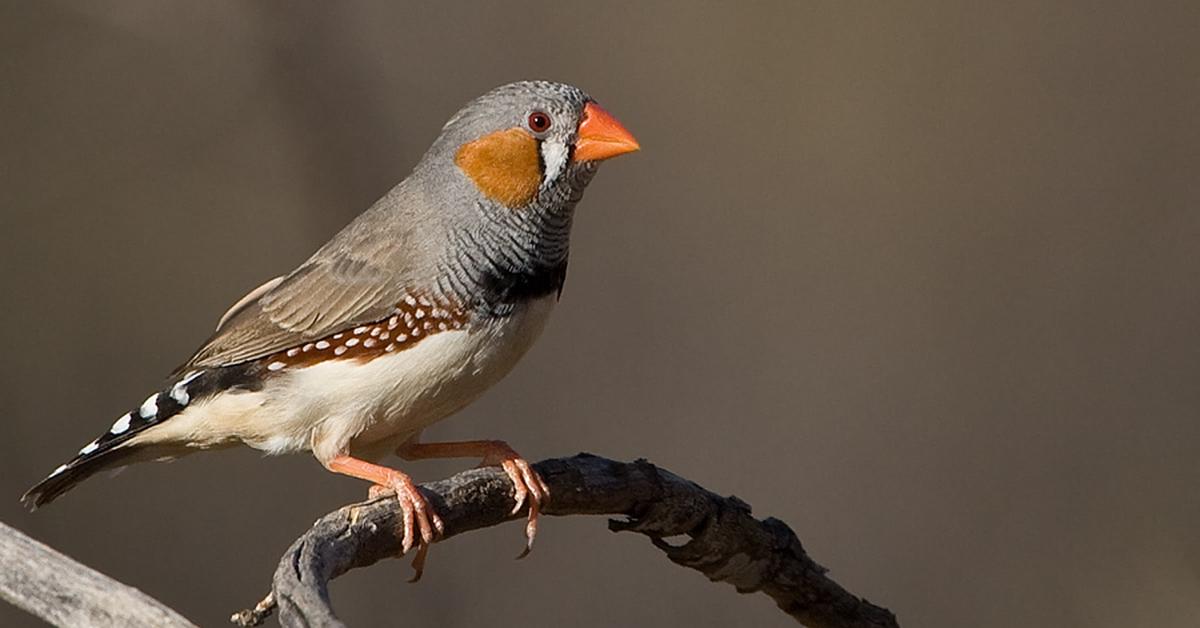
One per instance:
(526, 482)
(419, 516)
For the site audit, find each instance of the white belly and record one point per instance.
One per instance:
(342, 406)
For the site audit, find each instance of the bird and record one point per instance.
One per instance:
(407, 315)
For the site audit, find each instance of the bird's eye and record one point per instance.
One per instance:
(539, 122)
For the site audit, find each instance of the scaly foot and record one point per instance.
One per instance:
(418, 515)
(527, 484)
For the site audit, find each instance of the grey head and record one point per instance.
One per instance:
(504, 177)
(516, 117)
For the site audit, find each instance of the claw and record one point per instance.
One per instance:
(417, 515)
(416, 512)
(418, 563)
(519, 490)
(527, 484)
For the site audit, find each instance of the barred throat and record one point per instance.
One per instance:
(512, 256)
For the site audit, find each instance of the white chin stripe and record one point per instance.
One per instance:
(554, 156)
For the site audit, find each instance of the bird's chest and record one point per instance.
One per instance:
(396, 395)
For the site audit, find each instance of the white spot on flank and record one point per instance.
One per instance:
(384, 336)
(338, 336)
(322, 345)
(351, 342)
(442, 326)
(393, 322)
(358, 331)
(375, 331)
(308, 347)
(369, 342)
(410, 300)
(416, 331)
(293, 352)
(121, 425)
(390, 348)
(420, 313)
(401, 338)
(60, 469)
(89, 448)
(275, 366)
(340, 350)
(149, 407)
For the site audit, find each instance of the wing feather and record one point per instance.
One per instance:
(358, 277)
(312, 303)
(316, 300)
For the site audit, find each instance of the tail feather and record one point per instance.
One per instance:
(113, 448)
(65, 477)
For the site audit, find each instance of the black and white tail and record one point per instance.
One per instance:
(112, 449)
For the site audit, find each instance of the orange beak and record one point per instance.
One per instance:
(601, 136)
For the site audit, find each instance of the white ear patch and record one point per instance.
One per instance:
(554, 156)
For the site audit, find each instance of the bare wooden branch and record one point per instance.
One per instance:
(725, 542)
(39, 580)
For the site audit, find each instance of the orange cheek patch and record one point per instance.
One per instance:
(503, 165)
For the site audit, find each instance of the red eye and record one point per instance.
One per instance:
(539, 122)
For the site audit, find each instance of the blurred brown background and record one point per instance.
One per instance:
(920, 280)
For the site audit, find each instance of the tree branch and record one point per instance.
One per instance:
(43, 582)
(726, 543)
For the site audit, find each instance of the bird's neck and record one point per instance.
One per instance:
(510, 257)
